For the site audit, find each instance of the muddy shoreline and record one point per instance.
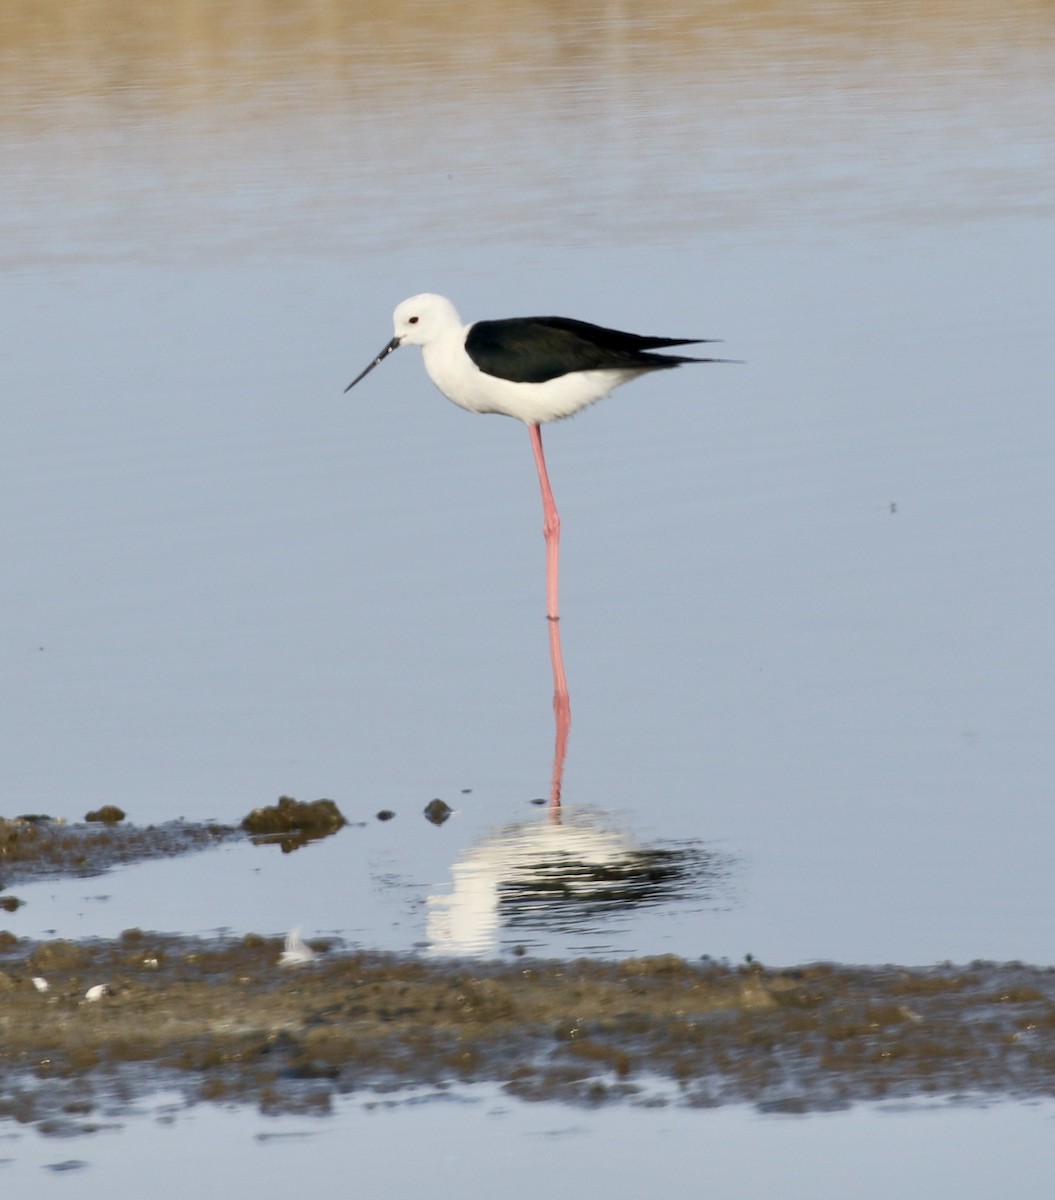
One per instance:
(35, 847)
(223, 1021)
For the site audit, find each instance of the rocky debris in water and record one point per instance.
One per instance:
(222, 1021)
(38, 847)
(437, 811)
(386, 814)
(109, 814)
(292, 823)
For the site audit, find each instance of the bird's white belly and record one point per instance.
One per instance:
(462, 382)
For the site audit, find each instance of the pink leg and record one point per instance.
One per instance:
(551, 532)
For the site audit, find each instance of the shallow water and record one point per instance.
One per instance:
(865, 1153)
(806, 601)
(237, 592)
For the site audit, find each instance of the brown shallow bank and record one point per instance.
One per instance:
(87, 1027)
(224, 1022)
(36, 847)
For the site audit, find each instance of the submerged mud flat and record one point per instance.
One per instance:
(37, 847)
(223, 1022)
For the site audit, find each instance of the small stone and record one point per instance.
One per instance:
(109, 814)
(437, 811)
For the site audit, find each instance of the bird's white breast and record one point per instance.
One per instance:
(462, 381)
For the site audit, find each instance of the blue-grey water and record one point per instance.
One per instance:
(806, 600)
(869, 1154)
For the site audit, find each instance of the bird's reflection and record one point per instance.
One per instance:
(571, 875)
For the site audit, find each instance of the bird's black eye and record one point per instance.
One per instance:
(412, 320)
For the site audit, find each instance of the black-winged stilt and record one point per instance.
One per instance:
(536, 369)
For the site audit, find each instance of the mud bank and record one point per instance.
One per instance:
(34, 847)
(225, 1023)
(37, 847)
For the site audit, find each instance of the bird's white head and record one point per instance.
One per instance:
(418, 321)
(422, 319)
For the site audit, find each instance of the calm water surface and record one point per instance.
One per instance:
(806, 601)
(869, 1154)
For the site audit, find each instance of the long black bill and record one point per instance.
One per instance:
(394, 344)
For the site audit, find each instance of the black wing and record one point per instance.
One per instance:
(536, 349)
